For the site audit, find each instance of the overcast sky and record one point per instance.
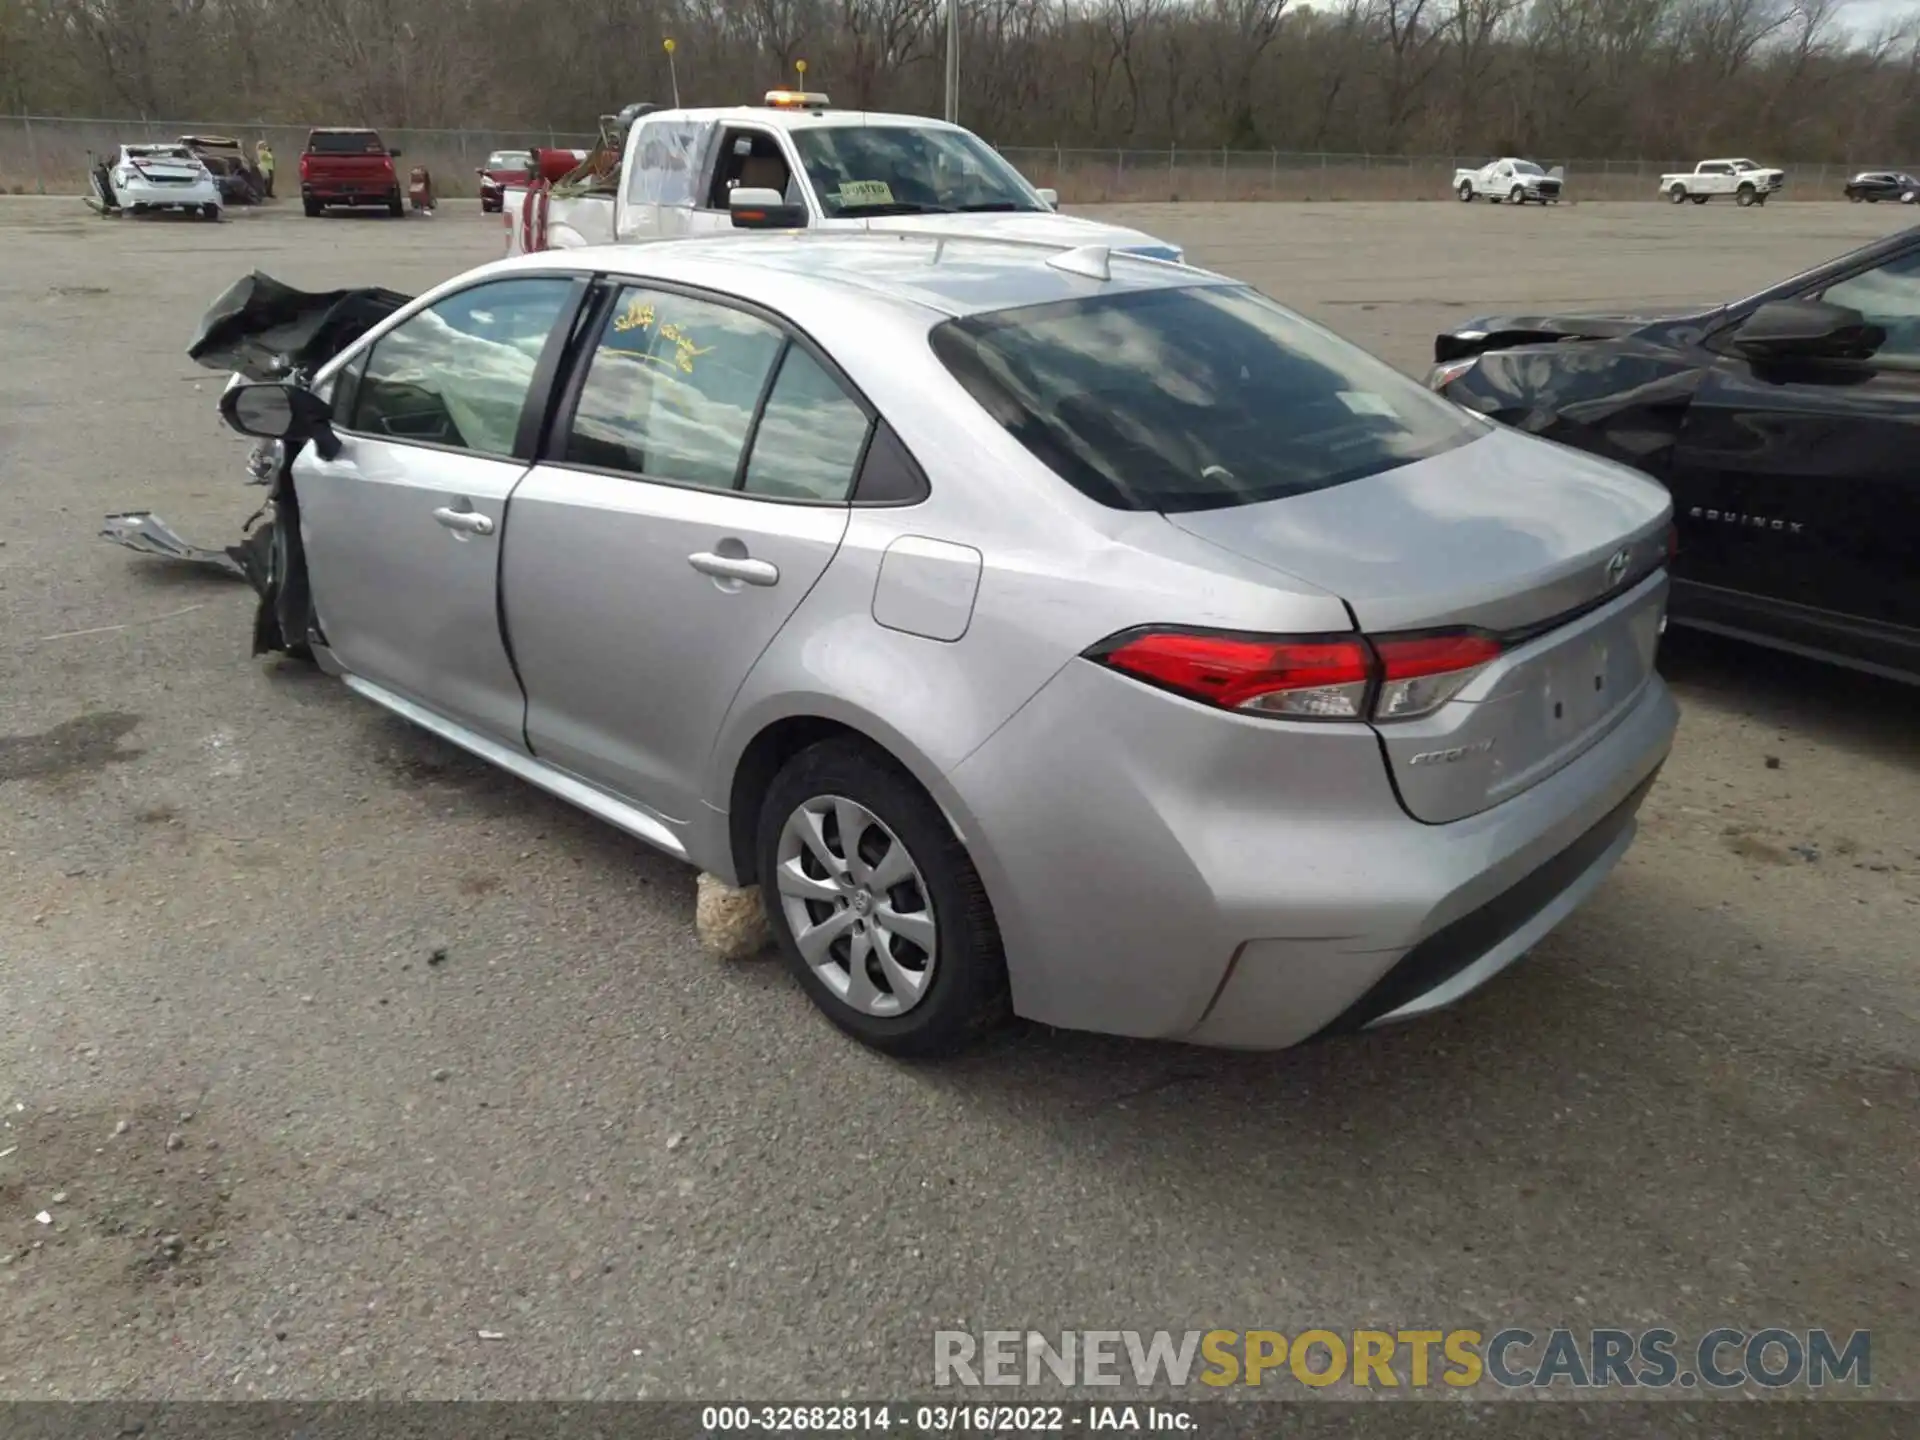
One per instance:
(1869, 15)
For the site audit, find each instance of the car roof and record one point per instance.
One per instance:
(944, 274)
(342, 130)
(779, 117)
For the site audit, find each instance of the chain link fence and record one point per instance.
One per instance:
(49, 155)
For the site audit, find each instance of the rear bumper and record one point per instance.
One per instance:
(1242, 883)
(350, 193)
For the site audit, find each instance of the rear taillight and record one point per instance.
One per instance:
(1318, 677)
(1420, 673)
(1308, 678)
(1673, 543)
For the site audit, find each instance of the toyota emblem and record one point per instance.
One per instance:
(1617, 567)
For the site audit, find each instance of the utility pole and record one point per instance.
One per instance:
(953, 62)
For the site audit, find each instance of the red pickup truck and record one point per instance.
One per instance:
(349, 167)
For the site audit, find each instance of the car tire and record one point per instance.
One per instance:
(396, 205)
(211, 212)
(1517, 196)
(312, 207)
(963, 975)
(1745, 196)
(1856, 199)
(1466, 192)
(1677, 194)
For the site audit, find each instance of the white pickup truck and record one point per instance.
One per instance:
(794, 162)
(1746, 182)
(1510, 179)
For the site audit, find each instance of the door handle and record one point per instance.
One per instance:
(469, 522)
(729, 567)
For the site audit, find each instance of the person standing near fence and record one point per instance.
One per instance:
(263, 157)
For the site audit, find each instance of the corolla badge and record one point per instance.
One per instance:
(1617, 567)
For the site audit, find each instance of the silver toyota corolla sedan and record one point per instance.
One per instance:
(1045, 631)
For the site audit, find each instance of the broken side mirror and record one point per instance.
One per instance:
(1807, 330)
(756, 209)
(280, 411)
(1050, 198)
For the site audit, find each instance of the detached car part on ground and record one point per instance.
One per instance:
(1221, 685)
(1786, 426)
(140, 179)
(1513, 180)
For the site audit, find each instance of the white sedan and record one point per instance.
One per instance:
(143, 178)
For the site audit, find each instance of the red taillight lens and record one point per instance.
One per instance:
(1673, 543)
(1337, 677)
(1420, 673)
(1309, 678)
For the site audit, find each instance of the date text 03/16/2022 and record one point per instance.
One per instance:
(946, 1419)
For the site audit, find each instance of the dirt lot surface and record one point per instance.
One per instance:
(328, 1049)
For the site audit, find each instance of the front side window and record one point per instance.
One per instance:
(672, 388)
(1194, 398)
(907, 169)
(1889, 296)
(457, 373)
(1527, 167)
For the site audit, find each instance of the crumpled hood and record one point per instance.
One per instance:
(1500, 332)
(1046, 226)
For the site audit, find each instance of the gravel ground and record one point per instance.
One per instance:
(331, 1049)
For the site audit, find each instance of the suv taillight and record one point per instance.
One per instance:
(1311, 677)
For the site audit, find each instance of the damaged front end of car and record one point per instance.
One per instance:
(263, 331)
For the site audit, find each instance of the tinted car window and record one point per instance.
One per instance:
(810, 437)
(457, 374)
(1889, 296)
(671, 390)
(349, 142)
(1194, 398)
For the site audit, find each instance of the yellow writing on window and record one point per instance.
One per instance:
(637, 316)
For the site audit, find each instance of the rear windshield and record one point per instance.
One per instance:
(346, 142)
(1194, 398)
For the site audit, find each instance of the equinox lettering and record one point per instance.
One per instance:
(1756, 522)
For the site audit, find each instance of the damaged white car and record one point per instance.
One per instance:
(144, 178)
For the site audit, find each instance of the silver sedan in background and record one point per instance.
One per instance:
(1045, 631)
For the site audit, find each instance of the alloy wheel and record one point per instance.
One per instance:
(857, 906)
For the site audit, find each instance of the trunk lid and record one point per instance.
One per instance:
(166, 172)
(1558, 552)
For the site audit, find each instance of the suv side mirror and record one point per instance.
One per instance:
(393, 154)
(1051, 198)
(1807, 330)
(279, 411)
(755, 209)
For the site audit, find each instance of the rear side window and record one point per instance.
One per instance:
(346, 142)
(457, 374)
(1195, 398)
(811, 435)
